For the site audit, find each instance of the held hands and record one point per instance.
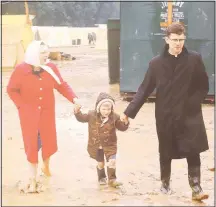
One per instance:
(124, 119)
(76, 108)
(77, 105)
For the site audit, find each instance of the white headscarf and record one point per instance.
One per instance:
(32, 57)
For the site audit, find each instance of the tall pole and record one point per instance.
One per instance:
(169, 13)
(28, 21)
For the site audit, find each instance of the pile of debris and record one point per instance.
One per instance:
(60, 56)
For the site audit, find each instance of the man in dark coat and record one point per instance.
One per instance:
(181, 85)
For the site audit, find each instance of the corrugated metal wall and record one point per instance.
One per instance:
(142, 36)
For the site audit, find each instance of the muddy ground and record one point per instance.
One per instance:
(74, 180)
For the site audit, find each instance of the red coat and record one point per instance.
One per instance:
(34, 98)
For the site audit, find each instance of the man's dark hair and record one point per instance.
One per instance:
(175, 28)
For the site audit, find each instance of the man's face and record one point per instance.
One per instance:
(175, 42)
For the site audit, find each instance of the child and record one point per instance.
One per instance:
(102, 124)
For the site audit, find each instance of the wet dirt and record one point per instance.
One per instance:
(74, 179)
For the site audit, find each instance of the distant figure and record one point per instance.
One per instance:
(92, 38)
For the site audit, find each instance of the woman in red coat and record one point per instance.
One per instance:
(31, 89)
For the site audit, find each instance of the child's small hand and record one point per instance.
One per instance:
(77, 108)
(126, 121)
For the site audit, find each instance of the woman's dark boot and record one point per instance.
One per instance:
(101, 176)
(112, 178)
(194, 182)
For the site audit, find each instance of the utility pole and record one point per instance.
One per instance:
(28, 21)
(169, 15)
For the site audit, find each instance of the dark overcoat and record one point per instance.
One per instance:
(181, 86)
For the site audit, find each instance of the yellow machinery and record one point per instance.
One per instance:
(16, 35)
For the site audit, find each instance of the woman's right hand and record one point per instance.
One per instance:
(77, 108)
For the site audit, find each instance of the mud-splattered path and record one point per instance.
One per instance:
(74, 180)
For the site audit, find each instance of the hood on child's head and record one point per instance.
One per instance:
(104, 97)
